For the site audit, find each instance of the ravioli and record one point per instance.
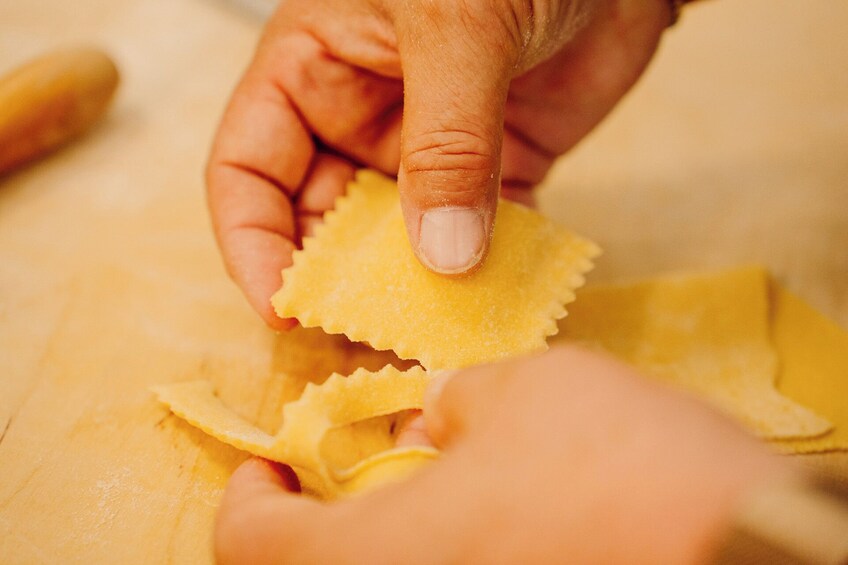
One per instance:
(357, 410)
(706, 333)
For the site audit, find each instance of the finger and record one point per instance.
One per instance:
(455, 86)
(327, 180)
(261, 154)
(260, 519)
(457, 402)
(557, 103)
(254, 226)
(262, 133)
(519, 192)
(523, 161)
(306, 225)
(351, 109)
(412, 431)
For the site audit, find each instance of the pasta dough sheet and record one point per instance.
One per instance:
(708, 334)
(713, 334)
(813, 367)
(359, 277)
(338, 436)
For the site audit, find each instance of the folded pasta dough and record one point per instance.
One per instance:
(706, 333)
(360, 406)
(813, 355)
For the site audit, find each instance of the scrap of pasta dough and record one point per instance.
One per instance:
(813, 367)
(706, 333)
(337, 436)
(358, 276)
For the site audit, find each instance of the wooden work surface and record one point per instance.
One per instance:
(733, 149)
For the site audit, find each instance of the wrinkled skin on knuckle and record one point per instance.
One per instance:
(486, 24)
(547, 25)
(450, 150)
(528, 31)
(504, 25)
(454, 164)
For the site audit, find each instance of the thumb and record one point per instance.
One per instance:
(455, 87)
(459, 402)
(260, 518)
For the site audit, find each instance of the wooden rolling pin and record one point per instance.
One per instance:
(50, 101)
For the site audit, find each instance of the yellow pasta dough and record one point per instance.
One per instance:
(720, 335)
(706, 333)
(813, 355)
(196, 403)
(336, 437)
(359, 277)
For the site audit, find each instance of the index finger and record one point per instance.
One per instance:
(261, 153)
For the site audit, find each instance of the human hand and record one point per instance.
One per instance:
(490, 92)
(565, 454)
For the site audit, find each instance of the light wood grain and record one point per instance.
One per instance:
(733, 149)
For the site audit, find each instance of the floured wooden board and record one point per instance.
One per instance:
(338, 436)
(83, 436)
(706, 333)
(813, 367)
(359, 277)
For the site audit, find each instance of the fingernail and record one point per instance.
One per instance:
(412, 432)
(451, 239)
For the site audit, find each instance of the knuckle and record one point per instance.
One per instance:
(488, 24)
(449, 166)
(450, 151)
